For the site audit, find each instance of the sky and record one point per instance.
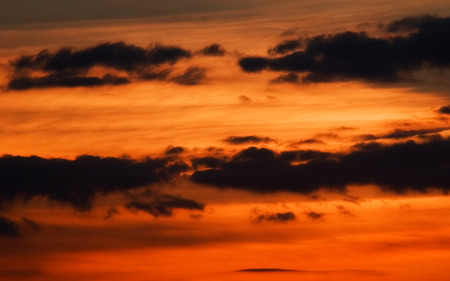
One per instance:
(224, 140)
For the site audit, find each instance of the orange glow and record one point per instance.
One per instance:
(362, 233)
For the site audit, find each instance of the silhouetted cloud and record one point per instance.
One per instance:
(8, 228)
(174, 150)
(207, 162)
(68, 67)
(56, 80)
(285, 47)
(150, 75)
(308, 141)
(275, 217)
(304, 155)
(445, 109)
(411, 23)
(191, 76)
(213, 50)
(401, 134)
(398, 168)
(111, 212)
(355, 55)
(265, 270)
(247, 139)
(163, 205)
(77, 182)
(119, 56)
(314, 215)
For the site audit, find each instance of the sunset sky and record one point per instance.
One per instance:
(224, 140)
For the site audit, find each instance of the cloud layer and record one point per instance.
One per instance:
(163, 205)
(69, 67)
(77, 182)
(398, 168)
(358, 56)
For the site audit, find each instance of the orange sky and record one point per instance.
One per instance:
(59, 221)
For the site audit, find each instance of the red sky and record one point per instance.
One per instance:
(216, 140)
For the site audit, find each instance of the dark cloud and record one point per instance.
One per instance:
(401, 134)
(445, 109)
(119, 56)
(174, 150)
(151, 75)
(163, 205)
(398, 168)
(314, 215)
(111, 212)
(8, 228)
(431, 137)
(285, 47)
(31, 223)
(411, 23)
(192, 76)
(213, 50)
(266, 270)
(77, 182)
(207, 162)
(68, 67)
(291, 77)
(304, 155)
(57, 80)
(357, 56)
(275, 217)
(247, 139)
(309, 141)
(254, 64)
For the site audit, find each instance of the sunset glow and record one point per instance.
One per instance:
(225, 140)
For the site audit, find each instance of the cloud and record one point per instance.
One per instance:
(213, 50)
(111, 212)
(57, 80)
(401, 134)
(358, 56)
(398, 168)
(304, 155)
(119, 56)
(308, 141)
(285, 47)
(445, 109)
(151, 75)
(78, 182)
(275, 217)
(8, 228)
(207, 162)
(69, 67)
(314, 215)
(247, 139)
(174, 150)
(266, 270)
(163, 205)
(191, 76)
(410, 23)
